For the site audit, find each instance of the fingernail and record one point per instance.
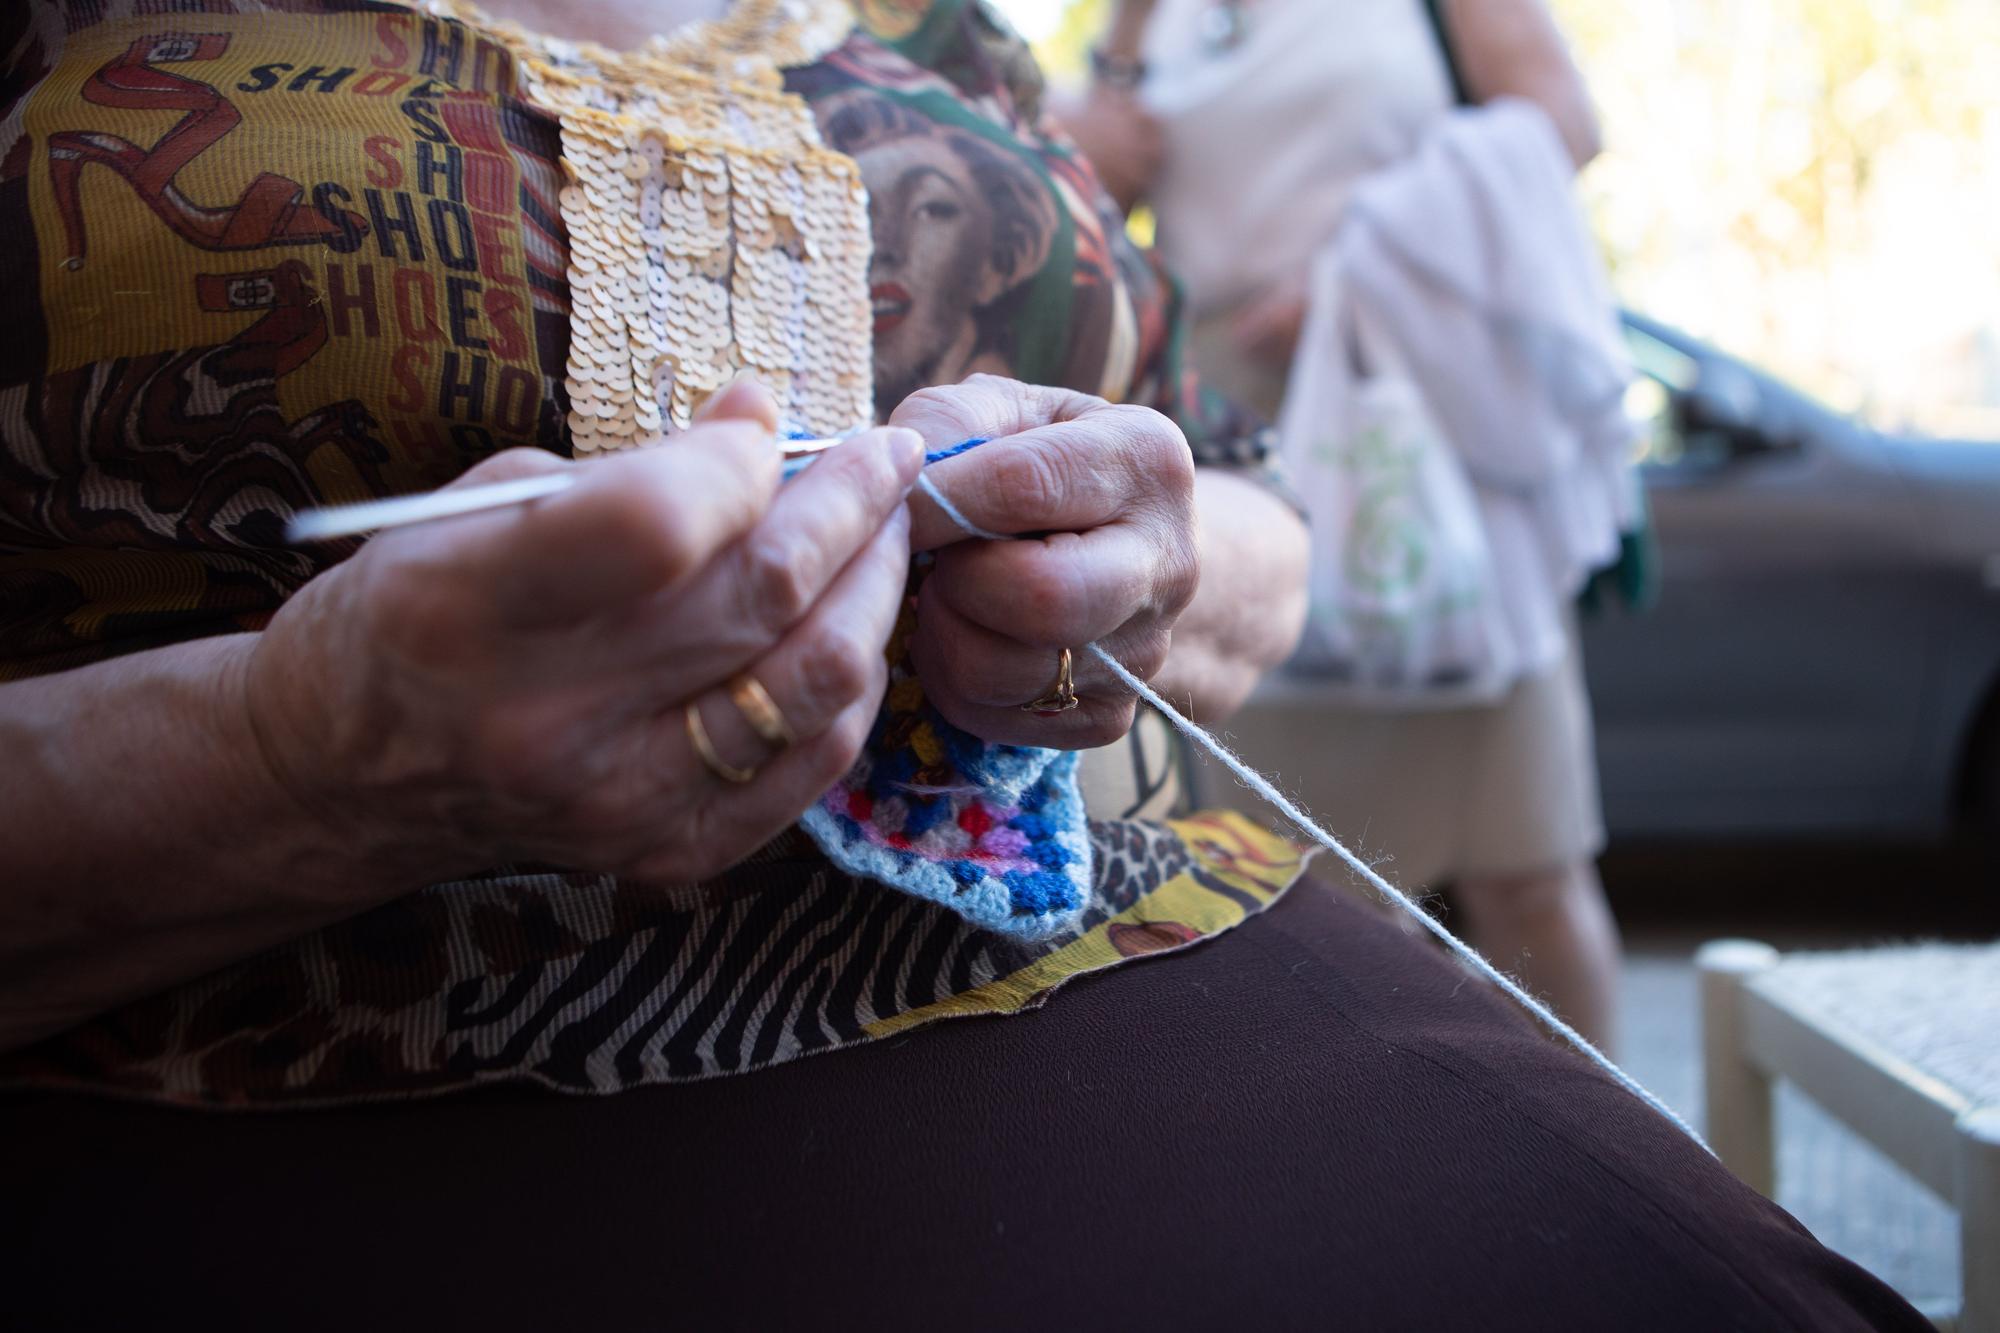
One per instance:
(906, 447)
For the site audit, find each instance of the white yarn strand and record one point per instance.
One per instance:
(1264, 788)
(952, 512)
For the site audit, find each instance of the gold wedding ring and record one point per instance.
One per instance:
(755, 703)
(704, 750)
(1061, 696)
(758, 709)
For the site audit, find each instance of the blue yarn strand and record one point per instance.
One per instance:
(939, 455)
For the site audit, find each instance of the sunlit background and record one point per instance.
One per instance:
(1813, 185)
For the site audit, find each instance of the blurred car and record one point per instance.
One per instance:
(1824, 656)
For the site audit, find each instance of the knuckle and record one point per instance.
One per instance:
(934, 396)
(1177, 477)
(1032, 482)
(1148, 653)
(1052, 603)
(1151, 440)
(941, 403)
(1180, 571)
(836, 669)
(1069, 404)
(778, 579)
(1156, 442)
(992, 392)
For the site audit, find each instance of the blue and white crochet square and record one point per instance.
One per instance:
(997, 833)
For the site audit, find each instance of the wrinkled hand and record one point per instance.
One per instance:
(1104, 496)
(511, 686)
(1121, 139)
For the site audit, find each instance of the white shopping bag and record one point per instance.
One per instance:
(1404, 611)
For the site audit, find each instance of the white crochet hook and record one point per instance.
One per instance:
(319, 525)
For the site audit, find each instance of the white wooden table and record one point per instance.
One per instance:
(1903, 1045)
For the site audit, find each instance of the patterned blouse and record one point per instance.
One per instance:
(270, 254)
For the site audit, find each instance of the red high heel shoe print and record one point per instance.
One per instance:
(292, 330)
(272, 210)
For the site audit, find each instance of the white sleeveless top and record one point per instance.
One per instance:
(1264, 140)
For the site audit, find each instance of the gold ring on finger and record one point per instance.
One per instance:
(1061, 696)
(704, 750)
(761, 711)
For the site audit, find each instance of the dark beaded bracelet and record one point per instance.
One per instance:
(1116, 71)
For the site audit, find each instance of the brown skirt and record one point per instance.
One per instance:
(1311, 1121)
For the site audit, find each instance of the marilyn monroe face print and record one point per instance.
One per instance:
(960, 226)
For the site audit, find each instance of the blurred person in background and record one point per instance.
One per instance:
(1252, 127)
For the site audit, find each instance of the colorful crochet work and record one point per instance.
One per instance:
(994, 832)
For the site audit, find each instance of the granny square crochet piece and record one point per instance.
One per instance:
(994, 832)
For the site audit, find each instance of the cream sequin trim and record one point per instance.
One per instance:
(710, 229)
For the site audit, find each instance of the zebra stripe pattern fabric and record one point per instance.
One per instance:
(586, 985)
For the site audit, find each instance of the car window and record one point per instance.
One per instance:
(1664, 370)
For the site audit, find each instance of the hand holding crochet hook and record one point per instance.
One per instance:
(650, 672)
(1110, 493)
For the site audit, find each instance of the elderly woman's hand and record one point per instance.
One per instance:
(1105, 495)
(513, 686)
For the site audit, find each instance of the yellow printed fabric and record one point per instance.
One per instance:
(268, 260)
(393, 229)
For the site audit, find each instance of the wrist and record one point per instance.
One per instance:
(1117, 58)
(1125, 33)
(344, 845)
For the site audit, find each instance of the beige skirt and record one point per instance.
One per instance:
(1430, 796)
